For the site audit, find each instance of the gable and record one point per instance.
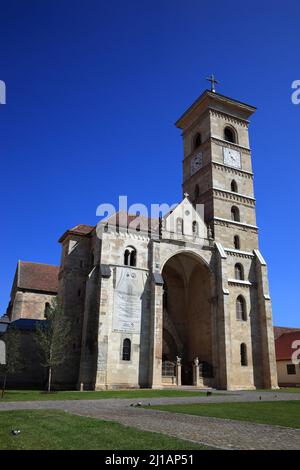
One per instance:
(186, 214)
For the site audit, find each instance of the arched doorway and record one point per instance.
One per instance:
(187, 313)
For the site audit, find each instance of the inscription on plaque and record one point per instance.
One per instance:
(128, 300)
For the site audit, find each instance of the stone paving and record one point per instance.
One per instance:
(221, 433)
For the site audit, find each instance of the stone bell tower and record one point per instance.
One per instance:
(217, 172)
(217, 169)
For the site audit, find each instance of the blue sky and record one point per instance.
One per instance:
(93, 91)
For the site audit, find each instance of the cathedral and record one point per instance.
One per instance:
(182, 300)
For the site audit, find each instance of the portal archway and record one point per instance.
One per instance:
(188, 313)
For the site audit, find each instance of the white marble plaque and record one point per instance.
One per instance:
(128, 300)
(2, 353)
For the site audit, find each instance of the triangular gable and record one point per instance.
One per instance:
(192, 220)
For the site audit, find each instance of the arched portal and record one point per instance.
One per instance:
(187, 314)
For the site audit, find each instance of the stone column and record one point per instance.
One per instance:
(178, 371)
(196, 372)
(156, 335)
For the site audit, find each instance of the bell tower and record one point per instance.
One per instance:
(217, 172)
(217, 169)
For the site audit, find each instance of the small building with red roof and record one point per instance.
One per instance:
(34, 287)
(287, 348)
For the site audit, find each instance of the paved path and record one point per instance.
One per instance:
(226, 434)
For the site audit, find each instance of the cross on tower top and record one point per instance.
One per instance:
(213, 82)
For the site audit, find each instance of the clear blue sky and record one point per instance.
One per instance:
(93, 90)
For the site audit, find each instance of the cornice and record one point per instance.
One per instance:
(229, 117)
(240, 283)
(239, 253)
(233, 170)
(225, 143)
(236, 197)
(229, 222)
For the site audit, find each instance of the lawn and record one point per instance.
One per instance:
(283, 413)
(33, 395)
(284, 390)
(57, 430)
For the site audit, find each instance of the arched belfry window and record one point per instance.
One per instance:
(235, 214)
(234, 186)
(230, 135)
(239, 272)
(243, 352)
(236, 242)
(197, 141)
(126, 350)
(130, 256)
(241, 313)
(179, 225)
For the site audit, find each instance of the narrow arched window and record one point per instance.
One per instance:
(197, 141)
(126, 352)
(236, 242)
(235, 214)
(197, 193)
(179, 225)
(133, 258)
(47, 309)
(239, 272)
(243, 351)
(241, 313)
(229, 135)
(195, 228)
(130, 256)
(126, 257)
(234, 186)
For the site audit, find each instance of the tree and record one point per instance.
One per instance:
(53, 338)
(14, 363)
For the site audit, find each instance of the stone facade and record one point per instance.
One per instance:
(191, 294)
(34, 287)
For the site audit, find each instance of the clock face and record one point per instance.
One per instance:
(232, 157)
(196, 163)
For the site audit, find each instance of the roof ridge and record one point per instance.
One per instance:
(37, 262)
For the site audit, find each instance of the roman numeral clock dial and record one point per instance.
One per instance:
(196, 163)
(232, 157)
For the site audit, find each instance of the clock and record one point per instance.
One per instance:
(196, 163)
(232, 157)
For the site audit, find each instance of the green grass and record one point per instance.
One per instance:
(282, 390)
(34, 395)
(56, 430)
(283, 413)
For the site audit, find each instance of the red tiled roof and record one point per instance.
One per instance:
(123, 219)
(80, 229)
(283, 345)
(36, 276)
(280, 330)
